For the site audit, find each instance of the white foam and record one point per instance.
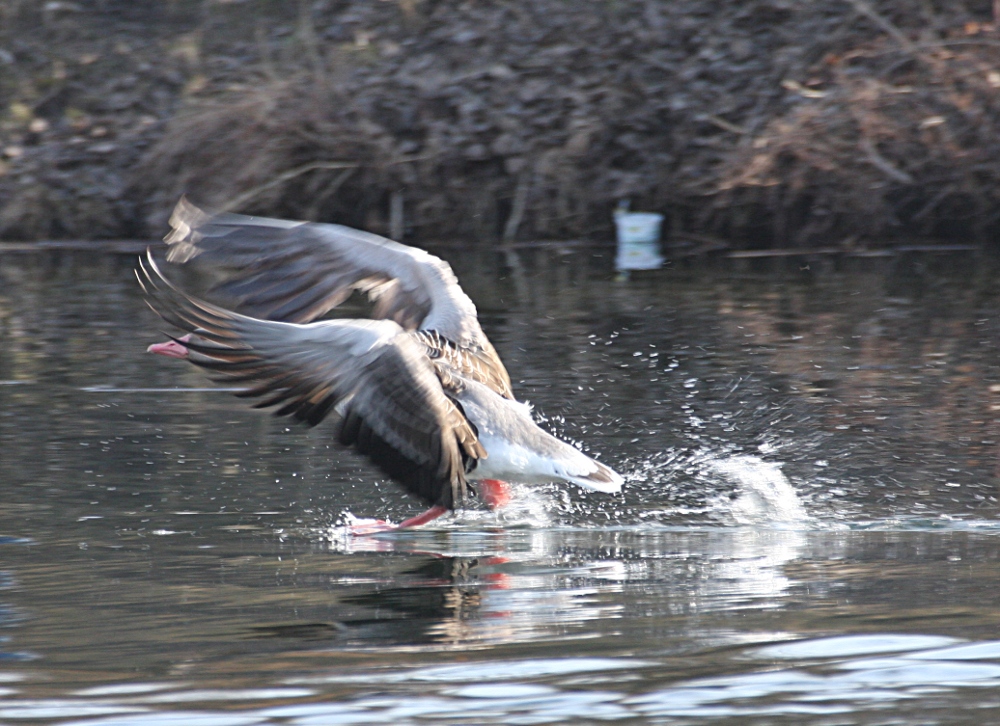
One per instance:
(764, 493)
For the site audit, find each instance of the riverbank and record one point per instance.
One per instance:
(755, 125)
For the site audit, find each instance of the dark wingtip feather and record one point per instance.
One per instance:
(420, 479)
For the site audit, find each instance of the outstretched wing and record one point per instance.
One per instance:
(297, 271)
(375, 373)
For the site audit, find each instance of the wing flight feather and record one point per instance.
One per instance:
(379, 373)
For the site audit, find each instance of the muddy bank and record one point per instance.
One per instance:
(760, 123)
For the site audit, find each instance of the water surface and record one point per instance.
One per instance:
(808, 533)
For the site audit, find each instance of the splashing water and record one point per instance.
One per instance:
(697, 487)
(763, 493)
(685, 487)
(529, 507)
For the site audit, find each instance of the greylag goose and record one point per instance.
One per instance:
(418, 388)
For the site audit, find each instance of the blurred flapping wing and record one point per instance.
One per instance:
(297, 271)
(374, 373)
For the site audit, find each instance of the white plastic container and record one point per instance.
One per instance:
(638, 240)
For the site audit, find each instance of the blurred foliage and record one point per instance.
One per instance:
(763, 122)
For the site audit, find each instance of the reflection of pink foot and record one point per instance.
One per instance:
(496, 580)
(363, 527)
(494, 492)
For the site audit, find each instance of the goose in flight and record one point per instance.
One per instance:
(418, 388)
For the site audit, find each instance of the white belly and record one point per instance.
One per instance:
(512, 463)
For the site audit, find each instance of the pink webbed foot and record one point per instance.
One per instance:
(364, 527)
(172, 348)
(494, 492)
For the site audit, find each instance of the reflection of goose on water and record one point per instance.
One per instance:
(419, 388)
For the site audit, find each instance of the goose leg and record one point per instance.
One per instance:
(432, 513)
(374, 526)
(494, 492)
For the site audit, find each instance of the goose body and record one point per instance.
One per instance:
(521, 451)
(419, 389)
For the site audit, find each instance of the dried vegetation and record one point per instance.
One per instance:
(761, 122)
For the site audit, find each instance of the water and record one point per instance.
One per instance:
(808, 532)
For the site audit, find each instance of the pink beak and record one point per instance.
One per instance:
(171, 349)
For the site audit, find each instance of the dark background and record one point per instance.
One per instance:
(753, 123)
